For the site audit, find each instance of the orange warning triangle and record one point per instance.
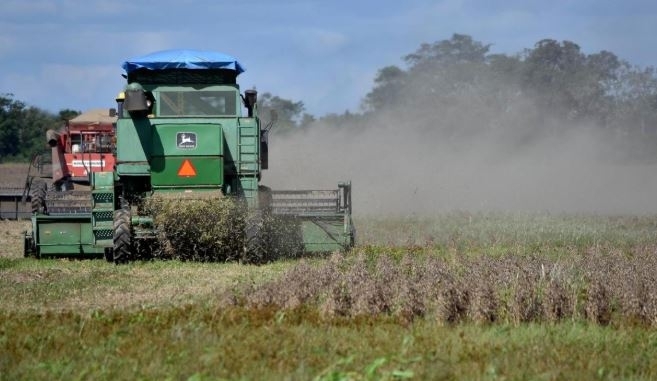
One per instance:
(186, 169)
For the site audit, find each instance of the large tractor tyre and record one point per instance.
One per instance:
(257, 245)
(38, 191)
(122, 251)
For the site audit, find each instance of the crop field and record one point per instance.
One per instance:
(455, 296)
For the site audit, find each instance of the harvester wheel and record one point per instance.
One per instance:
(122, 251)
(38, 191)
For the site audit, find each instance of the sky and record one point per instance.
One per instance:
(59, 54)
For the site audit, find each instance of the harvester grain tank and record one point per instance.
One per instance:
(182, 133)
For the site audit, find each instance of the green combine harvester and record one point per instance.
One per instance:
(182, 134)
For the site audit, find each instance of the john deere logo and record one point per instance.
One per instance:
(186, 140)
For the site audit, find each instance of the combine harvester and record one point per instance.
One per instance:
(181, 134)
(83, 145)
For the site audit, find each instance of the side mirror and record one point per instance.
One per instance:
(273, 116)
(250, 98)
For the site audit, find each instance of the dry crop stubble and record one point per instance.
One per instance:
(462, 279)
(11, 238)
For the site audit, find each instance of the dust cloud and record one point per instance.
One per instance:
(403, 167)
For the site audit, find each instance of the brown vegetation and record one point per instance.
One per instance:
(198, 229)
(601, 286)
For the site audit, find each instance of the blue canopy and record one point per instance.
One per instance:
(183, 59)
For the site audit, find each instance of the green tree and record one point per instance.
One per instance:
(23, 128)
(68, 114)
(565, 81)
(289, 113)
(388, 84)
(460, 49)
(10, 126)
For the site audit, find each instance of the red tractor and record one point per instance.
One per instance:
(84, 145)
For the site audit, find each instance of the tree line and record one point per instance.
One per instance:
(23, 128)
(454, 88)
(554, 85)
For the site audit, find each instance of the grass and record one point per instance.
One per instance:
(88, 319)
(197, 343)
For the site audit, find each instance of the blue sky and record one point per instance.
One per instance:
(58, 54)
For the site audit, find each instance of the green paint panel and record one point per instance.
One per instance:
(250, 165)
(248, 129)
(133, 141)
(133, 169)
(185, 139)
(103, 180)
(324, 235)
(68, 235)
(209, 171)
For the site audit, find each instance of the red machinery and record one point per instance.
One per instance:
(84, 145)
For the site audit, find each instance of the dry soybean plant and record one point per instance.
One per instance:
(603, 287)
(199, 229)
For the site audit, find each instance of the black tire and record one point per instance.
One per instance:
(122, 251)
(109, 254)
(38, 191)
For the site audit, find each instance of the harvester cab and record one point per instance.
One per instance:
(181, 133)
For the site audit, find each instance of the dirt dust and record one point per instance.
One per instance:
(400, 170)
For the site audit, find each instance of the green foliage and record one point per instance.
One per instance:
(208, 343)
(455, 87)
(290, 113)
(23, 128)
